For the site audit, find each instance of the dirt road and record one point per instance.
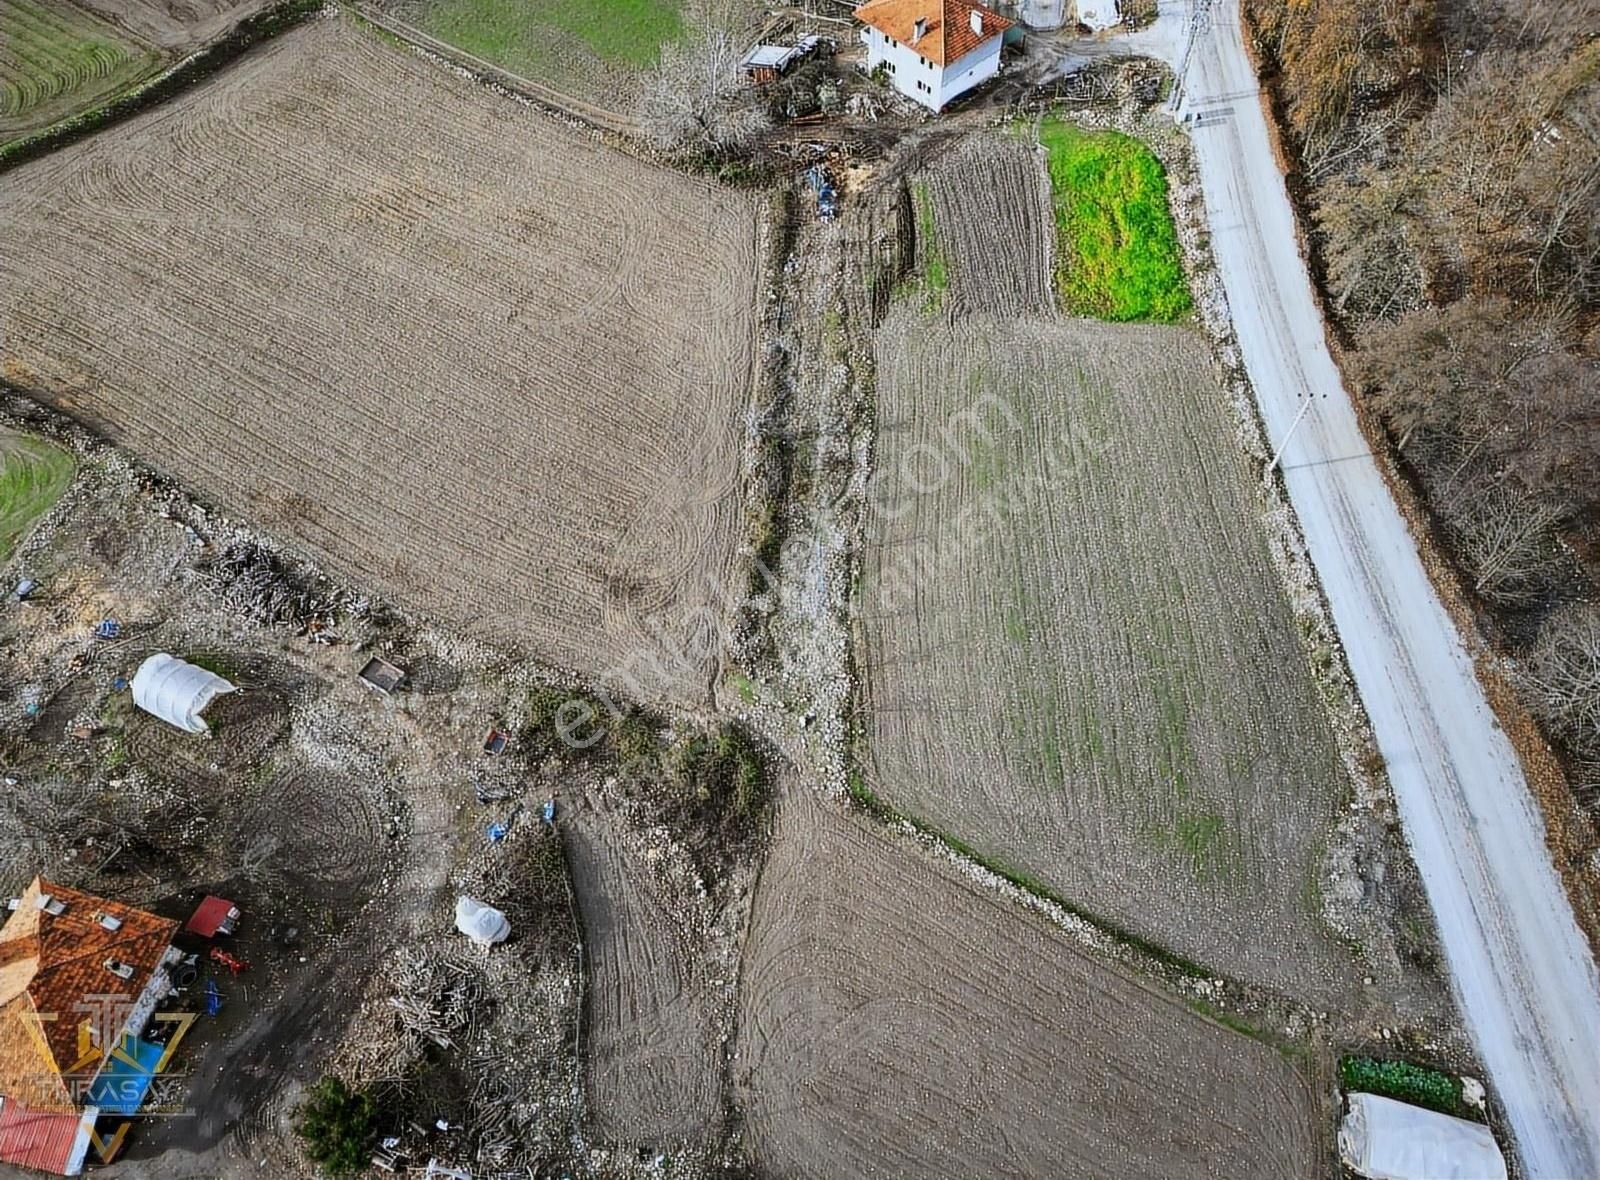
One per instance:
(1523, 974)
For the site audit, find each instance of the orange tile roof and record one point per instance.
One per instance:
(54, 980)
(948, 36)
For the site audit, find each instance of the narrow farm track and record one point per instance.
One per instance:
(444, 344)
(897, 1021)
(652, 1066)
(1078, 656)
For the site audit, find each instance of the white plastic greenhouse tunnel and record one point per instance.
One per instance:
(177, 692)
(1387, 1140)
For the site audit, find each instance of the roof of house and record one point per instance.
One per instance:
(209, 916)
(45, 1140)
(948, 35)
(54, 979)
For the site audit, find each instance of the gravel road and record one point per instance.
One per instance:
(1522, 971)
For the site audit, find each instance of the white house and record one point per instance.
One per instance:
(934, 50)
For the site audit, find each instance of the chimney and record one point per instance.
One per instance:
(918, 29)
(976, 19)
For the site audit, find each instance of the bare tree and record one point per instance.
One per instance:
(1563, 669)
(1368, 223)
(1507, 540)
(697, 103)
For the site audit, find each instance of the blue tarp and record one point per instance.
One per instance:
(122, 1085)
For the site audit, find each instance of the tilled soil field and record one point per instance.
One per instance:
(992, 207)
(174, 25)
(896, 1021)
(441, 343)
(652, 1067)
(1079, 657)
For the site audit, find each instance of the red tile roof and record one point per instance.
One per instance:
(54, 979)
(948, 35)
(40, 1139)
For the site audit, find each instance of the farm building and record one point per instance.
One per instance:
(934, 51)
(80, 978)
(766, 63)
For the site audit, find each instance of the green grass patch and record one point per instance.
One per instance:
(1117, 248)
(935, 271)
(1404, 1082)
(518, 36)
(33, 474)
(50, 53)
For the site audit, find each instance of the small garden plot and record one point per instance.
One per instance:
(1117, 249)
(33, 474)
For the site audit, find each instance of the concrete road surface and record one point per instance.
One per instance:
(1522, 971)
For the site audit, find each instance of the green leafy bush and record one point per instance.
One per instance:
(1403, 1081)
(336, 1124)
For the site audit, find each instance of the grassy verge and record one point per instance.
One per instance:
(1117, 248)
(33, 474)
(517, 36)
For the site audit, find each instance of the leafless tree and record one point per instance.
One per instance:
(1507, 540)
(696, 102)
(1368, 223)
(1563, 669)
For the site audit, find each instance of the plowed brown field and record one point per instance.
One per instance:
(895, 1021)
(651, 1062)
(447, 346)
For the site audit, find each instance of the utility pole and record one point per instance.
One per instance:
(1199, 23)
(1276, 458)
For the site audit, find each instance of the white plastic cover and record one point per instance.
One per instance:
(1387, 1140)
(1098, 14)
(176, 692)
(482, 923)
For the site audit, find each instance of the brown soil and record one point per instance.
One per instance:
(896, 1021)
(548, 454)
(652, 1068)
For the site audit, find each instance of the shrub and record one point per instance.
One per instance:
(1403, 1081)
(336, 1124)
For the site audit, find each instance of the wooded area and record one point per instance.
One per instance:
(1449, 157)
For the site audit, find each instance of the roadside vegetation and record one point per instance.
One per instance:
(1404, 1082)
(33, 474)
(1117, 254)
(1447, 154)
